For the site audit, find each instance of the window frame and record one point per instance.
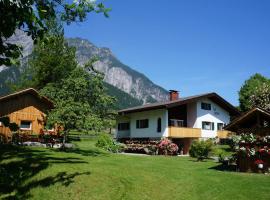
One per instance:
(206, 106)
(159, 125)
(140, 123)
(219, 123)
(30, 128)
(211, 124)
(123, 126)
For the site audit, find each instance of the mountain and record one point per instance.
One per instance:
(117, 74)
(130, 87)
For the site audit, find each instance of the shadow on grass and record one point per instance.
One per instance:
(18, 166)
(83, 152)
(222, 167)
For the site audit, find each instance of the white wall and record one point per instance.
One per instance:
(216, 115)
(151, 131)
(191, 114)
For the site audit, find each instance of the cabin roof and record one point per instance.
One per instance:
(181, 101)
(27, 91)
(248, 118)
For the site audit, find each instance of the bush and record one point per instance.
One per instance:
(200, 149)
(107, 143)
(167, 147)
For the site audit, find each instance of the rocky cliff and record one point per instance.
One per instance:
(119, 77)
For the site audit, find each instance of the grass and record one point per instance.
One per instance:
(90, 173)
(222, 149)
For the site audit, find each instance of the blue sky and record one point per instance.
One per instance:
(191, 46)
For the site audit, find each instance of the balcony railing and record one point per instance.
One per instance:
(183, 132)
(222, 134)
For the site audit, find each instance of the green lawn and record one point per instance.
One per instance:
(89, 173)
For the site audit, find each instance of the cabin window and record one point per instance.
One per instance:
(205, 106)
(159, 125)
(142, 123)
(123, 126)
(26, 125)
(220, 126)
(208, 126)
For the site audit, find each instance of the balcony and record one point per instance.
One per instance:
(223, 134)
(184, 132)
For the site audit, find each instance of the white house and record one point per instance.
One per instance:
(180, 119)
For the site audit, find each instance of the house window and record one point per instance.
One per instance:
(205, 106)
(123, 126)
(26, 125)
(208, 125)
(159, 125)
(220, 126)
(142, 123)
(176, 122)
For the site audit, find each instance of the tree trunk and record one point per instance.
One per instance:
(64, 140)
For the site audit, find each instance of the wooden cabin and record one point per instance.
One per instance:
(27, 109)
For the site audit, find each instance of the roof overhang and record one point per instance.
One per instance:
(31, 91)
(248, 118)
(170, 104)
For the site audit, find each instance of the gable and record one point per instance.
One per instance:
(21, 101)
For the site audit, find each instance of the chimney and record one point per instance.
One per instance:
(174, 95)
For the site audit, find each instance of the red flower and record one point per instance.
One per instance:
(261, 150)
(258, 161)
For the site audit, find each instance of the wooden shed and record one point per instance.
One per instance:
(27, 109)
(256, 121)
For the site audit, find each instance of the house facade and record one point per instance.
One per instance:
(27, 109)
(180, 119)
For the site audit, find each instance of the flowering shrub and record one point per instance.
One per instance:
(141, 146)
(266, 139)
(247, 138)
(167, 147)
(252, 148)
(258, 161)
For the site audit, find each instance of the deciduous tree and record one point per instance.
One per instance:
(261, 97)
(250, 88)
(80, 102)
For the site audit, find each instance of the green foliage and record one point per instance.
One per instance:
(5, 121)
(46, 67)
(80, 102)
(51, 61)
(31, 17)
(12, 126)
(201, 149)
(79, 97)
(107, 143)
(252, 87)
(261, 97)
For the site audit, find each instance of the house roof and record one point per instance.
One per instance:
(27, 91)
(170, 104)
(249, 117)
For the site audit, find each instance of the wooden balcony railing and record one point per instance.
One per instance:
(183, 132)
(223, 134)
